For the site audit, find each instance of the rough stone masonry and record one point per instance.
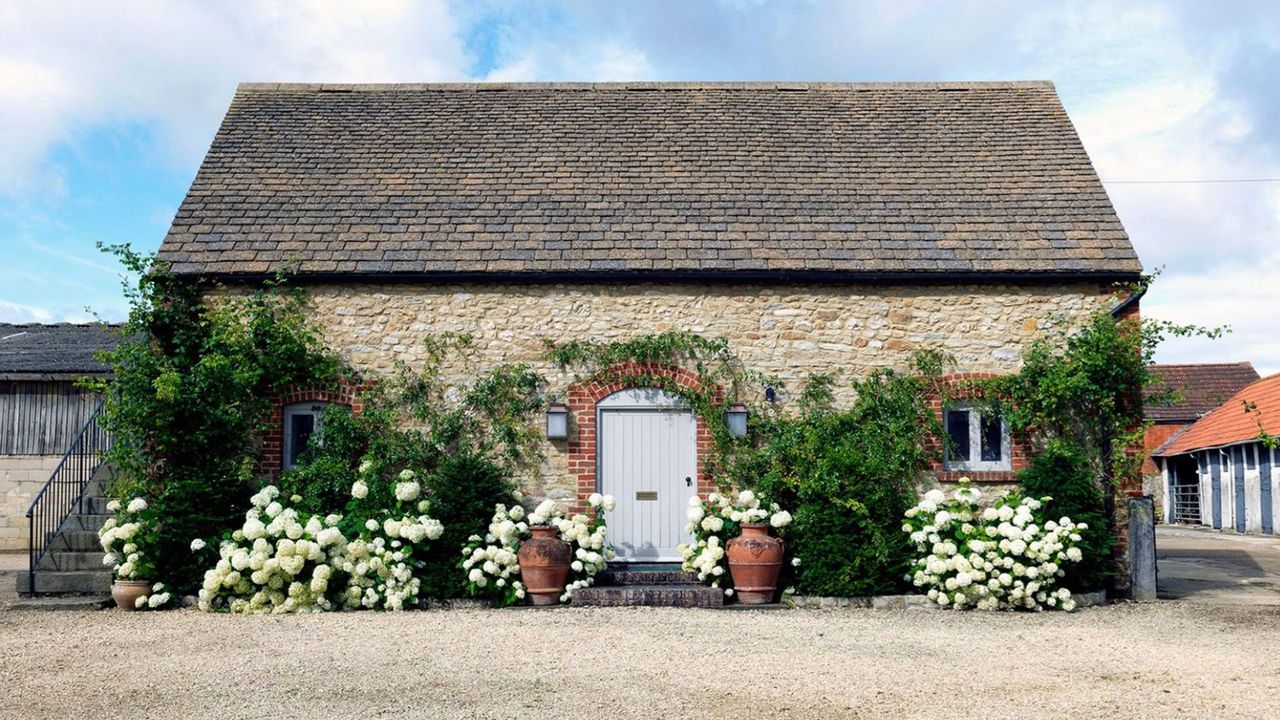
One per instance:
(785, 331)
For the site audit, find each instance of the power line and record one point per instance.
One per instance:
(1190, 182)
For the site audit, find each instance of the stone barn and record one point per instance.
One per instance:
(815, 226)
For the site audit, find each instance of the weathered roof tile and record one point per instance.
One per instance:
(555, 179)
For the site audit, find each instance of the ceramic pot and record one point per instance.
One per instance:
(544, 565)
(127, 592)
(755, 559)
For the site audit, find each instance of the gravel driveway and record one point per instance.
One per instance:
(1119, 661)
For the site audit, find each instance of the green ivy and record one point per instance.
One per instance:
(464, 442)
(849, 474)
(191, 382)
(721, 380)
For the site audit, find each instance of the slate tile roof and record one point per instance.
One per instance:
(58, 349)
(1197, 389)
(720, 180)
(1231, 422)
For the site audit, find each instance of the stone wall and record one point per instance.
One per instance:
(21, 477)
(785, 331)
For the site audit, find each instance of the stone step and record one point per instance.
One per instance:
(86, 521)
(622, 575)
(669, 595)
(54, 560)
(97, 505)
(97, 582)
(76, 541)
(62, 602)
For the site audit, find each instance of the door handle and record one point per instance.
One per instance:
(688, 482)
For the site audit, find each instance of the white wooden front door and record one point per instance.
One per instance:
(647, 460)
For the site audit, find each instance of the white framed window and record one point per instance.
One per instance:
(301, 421)
(979, 441)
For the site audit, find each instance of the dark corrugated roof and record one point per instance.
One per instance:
(54, 349)
(1197, 389)
(1242, 418)
(712, 180)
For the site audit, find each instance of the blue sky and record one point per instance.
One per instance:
(106, 110)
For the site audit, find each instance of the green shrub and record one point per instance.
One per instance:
(850, 476)
(192, 381)
(1064, 473)
(463, 490)
(463, 451)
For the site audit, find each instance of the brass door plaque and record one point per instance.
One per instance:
(646, 495)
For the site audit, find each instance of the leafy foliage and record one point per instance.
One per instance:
(1084, 386)
(1062, 472)
(192, 380)
(850, 476)
(465, 443)
(722, 380)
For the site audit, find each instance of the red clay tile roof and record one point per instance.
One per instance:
(716, 181)
(1231, 423)
(1196, 389)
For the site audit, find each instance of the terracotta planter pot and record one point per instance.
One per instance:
(127, 592)
(755, 559)
(544, 565)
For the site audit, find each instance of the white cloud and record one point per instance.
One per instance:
(12, 312)
(603, 62)
(172, 66)
(1238, 293)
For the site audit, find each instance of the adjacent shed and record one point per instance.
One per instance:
(1224, 469)
(41, 408)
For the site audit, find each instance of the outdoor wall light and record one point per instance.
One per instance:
(557, 421)
(737, 416)
(771, 395)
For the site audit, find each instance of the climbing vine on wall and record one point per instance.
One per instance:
(722, 380)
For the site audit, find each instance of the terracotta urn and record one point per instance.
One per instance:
(755, 559)
(127, 592)
(544, 565)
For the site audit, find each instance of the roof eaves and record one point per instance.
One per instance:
(718, 277)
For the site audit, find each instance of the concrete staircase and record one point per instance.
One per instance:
(649, 585)
(73, 563)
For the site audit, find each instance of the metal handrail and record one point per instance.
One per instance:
(63, 493)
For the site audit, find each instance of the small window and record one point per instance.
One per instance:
(978, 441)
(301, 421)
(1250, 459)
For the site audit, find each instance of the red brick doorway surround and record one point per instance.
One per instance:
(582, 398)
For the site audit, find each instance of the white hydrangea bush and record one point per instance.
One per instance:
(126, 538)
(491, 561)
(715, 521)
(283, 561)
(1004, 557)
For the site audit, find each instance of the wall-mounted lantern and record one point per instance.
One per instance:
(771, 395)
(557, 421)
(737, 417)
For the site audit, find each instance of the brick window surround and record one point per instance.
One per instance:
(581, 446)
(1019, 445)
(272, 436)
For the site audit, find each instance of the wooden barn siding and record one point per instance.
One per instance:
(1239, 487)
(41, 418)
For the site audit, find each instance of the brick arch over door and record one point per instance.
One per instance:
(272, 438)
(582, 399)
